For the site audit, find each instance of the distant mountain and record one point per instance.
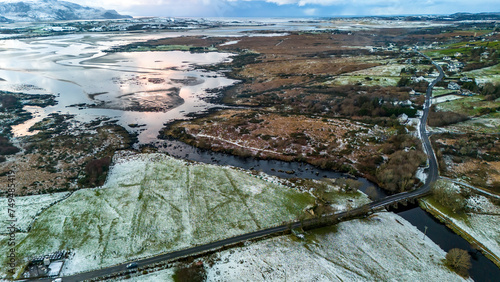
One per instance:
(479, 16)
(441, 18)
(453, 17)
(52, 10)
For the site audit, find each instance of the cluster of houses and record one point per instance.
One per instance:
(453, 65)
(45, 266)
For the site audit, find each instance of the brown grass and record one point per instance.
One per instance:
(56, 162)
(270, 135)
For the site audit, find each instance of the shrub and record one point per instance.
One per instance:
(459, 261)
(445, 118)
(96, 171)
(349, 185)
(6, 148)
(448, 198)
(191, 273)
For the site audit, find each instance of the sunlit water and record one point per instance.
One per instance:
(77, 71)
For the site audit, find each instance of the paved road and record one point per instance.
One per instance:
(432, 170)
(431, 178)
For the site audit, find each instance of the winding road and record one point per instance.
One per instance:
(432, 176)
(432, 170)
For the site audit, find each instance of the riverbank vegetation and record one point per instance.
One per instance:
(472, 214)
(459, 261)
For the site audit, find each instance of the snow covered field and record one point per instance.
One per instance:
(384, 247)
(442, 99)
(27, 208)
(392, 69)
(151, 204)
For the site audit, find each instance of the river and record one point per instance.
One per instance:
(482, 269)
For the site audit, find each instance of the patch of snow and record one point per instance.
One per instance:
(55, 268)
(163, 275)
(382, 248)
(27, 208)
(230, 43)
(233, 143)
(480, 203)
(447, 98)
(421, 174)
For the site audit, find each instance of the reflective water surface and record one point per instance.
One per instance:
(150, 88)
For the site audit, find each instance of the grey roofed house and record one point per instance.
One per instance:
(453, 86)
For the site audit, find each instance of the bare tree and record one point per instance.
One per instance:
(459, 261)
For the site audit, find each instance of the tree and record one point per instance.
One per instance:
(96, 171)
(397, 175)
(372, 193)
(349, 185)
(459, 261)
(448, 197)
(404, 81)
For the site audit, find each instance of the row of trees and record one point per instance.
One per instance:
(406, 81)
(373, 105)
(345, 100)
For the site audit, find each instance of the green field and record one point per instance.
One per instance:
(471, 106)
(442, 92)
(461, 47)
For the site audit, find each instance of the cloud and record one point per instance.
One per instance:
(310, 11)
(283, 2)
(332, 2)
(167, 8)
(290, 8)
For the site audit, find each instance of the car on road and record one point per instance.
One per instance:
(132, 265)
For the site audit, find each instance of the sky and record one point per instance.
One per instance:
(290, 8)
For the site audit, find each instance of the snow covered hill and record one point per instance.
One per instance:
(51, 10)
